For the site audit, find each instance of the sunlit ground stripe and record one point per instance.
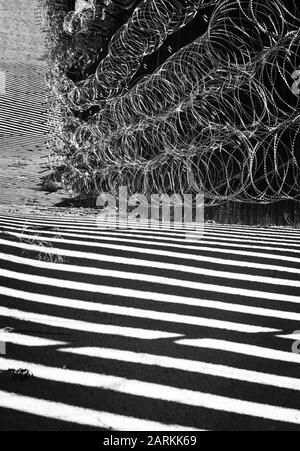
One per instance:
(161, 230)
(155, 297)
(83, 326)
(72, 219)
(227, 372)
(28, 128)
(67, 217)
(193, 366)
(80, 415)
(24, 117)
(160, 243)
(272, 231)
(206, 236)
(159, 234)
(95, 288)
(294, 336)
(242, 349)
(208, 233)
(23, 140)
(91, 222)
(285, 230)
(141, 313)
(27, 340)
(143, 228)
(119, 226)
(170, 281)
(161, 392)
(150, 314)
(149, 251)
(150, 263)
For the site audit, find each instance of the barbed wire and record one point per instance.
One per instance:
(218, 117)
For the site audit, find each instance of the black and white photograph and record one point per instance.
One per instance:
(149, 218)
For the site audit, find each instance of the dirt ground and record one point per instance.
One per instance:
(21, 175)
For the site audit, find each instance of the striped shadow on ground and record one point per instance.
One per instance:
(141, 329)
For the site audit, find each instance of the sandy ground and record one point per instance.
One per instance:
(21, 172)
(21, 175)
